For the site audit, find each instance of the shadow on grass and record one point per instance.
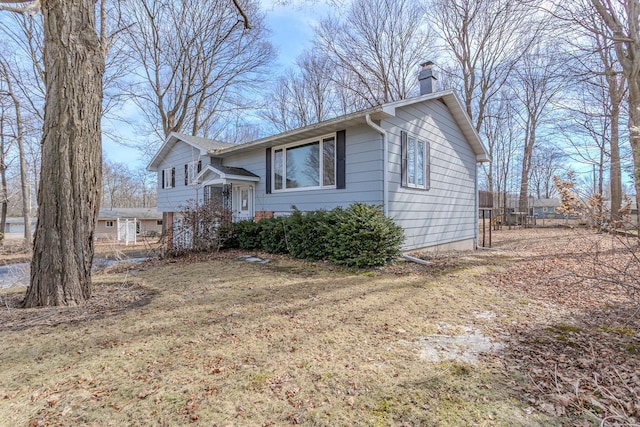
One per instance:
(108, 299)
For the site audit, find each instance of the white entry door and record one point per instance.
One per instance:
(242, 202)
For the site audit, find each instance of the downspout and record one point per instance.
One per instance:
(477, 211)
(385, 164)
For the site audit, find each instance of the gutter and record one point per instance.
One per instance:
(385, 163)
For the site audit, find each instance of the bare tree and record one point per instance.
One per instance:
(503, 137)
(601, 90)
(4, 150)
(621, 19)
(71, 160)
(548, 160)
(486, 40)
(122, 187)
(538, 80)
(304, 95)
(24, 38)
(376, 48)
(589, 128)
(197, 61)
(19, 137)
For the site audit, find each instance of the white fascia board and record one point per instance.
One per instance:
(165, 148)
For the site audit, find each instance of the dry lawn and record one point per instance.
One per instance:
(214, 340)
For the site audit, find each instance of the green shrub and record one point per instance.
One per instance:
(230, 236)
(363, 237)
(272, 235)
(359, 236)
(308, 234)
(247, 234)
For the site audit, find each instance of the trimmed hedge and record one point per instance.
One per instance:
(359, 236)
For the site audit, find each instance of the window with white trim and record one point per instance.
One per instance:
(416, 165)
(108, 224)
(168, 177)
(310, 164)
(191, 171)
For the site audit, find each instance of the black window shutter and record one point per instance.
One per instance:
(341, 155)
(186, 174)
(162, 178)
(173, 177)
(267, 180)
(403, 157)
(199, 166)
(427, 166)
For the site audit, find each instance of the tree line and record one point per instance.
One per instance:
(545, 84)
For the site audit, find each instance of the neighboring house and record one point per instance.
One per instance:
(147, 222)
(546, 208)
(16, 225)
(416, 157)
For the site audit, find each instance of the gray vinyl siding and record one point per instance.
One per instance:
(363, 177)
(446, 212)
(173, 199)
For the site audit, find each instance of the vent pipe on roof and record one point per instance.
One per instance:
(428, 82)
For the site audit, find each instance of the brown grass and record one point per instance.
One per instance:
(218, 341)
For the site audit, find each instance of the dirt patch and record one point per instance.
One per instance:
(464, 347)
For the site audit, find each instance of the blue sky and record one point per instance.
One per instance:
(291, 32)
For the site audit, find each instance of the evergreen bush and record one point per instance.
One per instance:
(363, 237)
(308, 233)
(247, 234)
(359, 236)
(272, 235)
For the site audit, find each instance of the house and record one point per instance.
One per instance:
(15, 225)
(143, 222)
(547, 208)
(416, 157)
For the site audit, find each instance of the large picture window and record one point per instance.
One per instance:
(415, 162)
(311, 164)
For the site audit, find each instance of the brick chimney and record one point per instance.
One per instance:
(428, 82)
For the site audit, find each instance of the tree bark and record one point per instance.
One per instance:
(69, 192)
(634, 133)
(615, 173)
(530, 139)
(3, 181)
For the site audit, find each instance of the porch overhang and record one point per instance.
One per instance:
(223, 175)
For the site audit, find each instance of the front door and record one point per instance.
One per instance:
(242, 203)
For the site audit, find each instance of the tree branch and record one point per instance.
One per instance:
(247, 26)
(32, 8)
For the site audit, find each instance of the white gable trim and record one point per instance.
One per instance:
(223, 178)
(168, 144)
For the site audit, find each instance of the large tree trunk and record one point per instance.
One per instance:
(69, 192)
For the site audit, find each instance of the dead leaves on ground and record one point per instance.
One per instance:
(586, 359)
